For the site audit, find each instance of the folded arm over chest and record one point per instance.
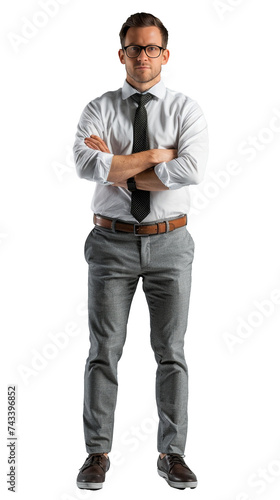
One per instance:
(189, 166)
(95, 162)
(91, 164)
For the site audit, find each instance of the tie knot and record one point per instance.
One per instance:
(142, 99)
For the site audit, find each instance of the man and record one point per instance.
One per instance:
(142, 145)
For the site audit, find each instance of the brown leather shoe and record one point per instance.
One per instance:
(92, 473)
(176, 472)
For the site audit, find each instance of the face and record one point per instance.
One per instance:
(143, 72)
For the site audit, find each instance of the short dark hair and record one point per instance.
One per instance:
(142, 20)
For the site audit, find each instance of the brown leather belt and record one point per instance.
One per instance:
(140, 229)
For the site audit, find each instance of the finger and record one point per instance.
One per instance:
(91, 144)
(94, 144)
(89, 140)
(97, 139)
(102, 146)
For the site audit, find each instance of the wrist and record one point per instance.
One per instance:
(137, 179)
(131, 184)
(154, 157)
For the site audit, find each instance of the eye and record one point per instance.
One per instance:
(153, 50)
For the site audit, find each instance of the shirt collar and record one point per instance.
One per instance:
(158, 90)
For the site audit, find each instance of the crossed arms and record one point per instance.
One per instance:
(153, 170)
(138, 165)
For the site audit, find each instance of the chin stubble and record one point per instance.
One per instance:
(138, 80)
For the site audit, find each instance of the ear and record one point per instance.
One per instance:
(121, 56)
(165, 56)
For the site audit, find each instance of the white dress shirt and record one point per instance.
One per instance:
(175, 121)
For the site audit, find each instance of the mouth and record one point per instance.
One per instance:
(142, 67)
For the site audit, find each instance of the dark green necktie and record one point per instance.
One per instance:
(140, 200)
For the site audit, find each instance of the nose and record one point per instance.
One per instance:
(142, 56)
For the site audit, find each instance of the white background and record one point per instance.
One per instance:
(225, 55)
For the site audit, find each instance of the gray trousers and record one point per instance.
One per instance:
(116, 262)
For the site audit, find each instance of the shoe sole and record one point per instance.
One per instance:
(177, 484)
(89, 486)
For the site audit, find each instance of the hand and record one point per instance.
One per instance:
(164, 155)
(120, 184)
(94, 142)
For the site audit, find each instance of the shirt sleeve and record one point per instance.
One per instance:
(189, 167)
(91, 164)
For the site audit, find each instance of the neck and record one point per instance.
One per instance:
(142, 86)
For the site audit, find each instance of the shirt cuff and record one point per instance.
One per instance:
(102, 169)
(162, 172)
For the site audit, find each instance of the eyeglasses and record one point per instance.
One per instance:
(150, 50)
